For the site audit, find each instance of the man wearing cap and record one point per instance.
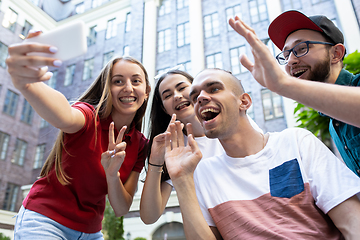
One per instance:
(285, 185)
(312, 49)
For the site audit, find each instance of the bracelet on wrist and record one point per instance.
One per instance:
(155, 165)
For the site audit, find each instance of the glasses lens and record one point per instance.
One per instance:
(281, 58)
(301, 49)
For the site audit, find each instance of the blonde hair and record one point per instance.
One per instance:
(99, 96)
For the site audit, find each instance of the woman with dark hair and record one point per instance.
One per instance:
(171, 100)
(86, 162)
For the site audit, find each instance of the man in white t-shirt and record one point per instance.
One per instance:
(285, 185)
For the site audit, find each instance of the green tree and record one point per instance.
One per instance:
(2, 237)
(113, 227)
(352, 62)
(310, 119)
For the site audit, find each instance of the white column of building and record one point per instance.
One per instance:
(196, 36)
(149, 48)
(149, 40)
(274, 9)
(349, 24)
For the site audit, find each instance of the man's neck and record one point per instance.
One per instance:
(244, 142)
(334, 74)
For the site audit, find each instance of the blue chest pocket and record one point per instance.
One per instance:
(286, 180)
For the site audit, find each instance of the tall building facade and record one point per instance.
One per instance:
(162, 35)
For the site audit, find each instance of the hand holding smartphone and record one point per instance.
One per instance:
(70, 40)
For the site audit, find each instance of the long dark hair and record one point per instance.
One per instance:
(99, 96)
(159, 119)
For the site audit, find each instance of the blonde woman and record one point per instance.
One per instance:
(100, 149)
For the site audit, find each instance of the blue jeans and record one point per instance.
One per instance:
(32, 225)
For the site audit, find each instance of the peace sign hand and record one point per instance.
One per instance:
(113, 158)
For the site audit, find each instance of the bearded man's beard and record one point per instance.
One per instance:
(321, 71)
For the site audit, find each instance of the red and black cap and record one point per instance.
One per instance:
(291, 21)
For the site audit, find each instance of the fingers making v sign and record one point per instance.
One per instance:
(113, 158)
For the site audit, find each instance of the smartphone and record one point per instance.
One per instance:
(70, 40)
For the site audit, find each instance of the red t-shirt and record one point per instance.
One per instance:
(80, 205)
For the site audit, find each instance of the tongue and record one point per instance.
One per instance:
(209, 115)
(182, 107)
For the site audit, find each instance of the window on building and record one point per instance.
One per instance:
(291, 4)
(4, 143)
(258, 11)
(236, 66)
(126, 50)
(128, 22)
(211, 25)
(250, 110)
(165, 7)
(52, 80)
(88, 69)
(18, 156)
(318, 1)
(183, 34)
(231, 12)
(92, 36)
(160, 72)
(96, 3)
(3, 54)
(27, 113)
(39, 156)
(214, 61)
(111, 30)
(43, 123)
(11, 195)
(182, 4)
(272, 104)
(25, 30)
(270, 45)
(107, 57)
(187, 67)
(164, 40)
(10, 19)
(172, 230)
(69, 75)
(80, 8)
(10, 103)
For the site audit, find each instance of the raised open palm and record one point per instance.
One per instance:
(181, 160)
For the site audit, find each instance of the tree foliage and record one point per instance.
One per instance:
(310, 119)
(113, 227)
(3, 237)
(352, 62)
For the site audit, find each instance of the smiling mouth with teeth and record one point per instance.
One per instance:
(299, 73)
(209, 113)
(127, 99)
(182, 105)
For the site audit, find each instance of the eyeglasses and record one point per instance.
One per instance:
(299, 50)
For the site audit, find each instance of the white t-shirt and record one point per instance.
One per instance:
(211, 147)
(276, 193)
